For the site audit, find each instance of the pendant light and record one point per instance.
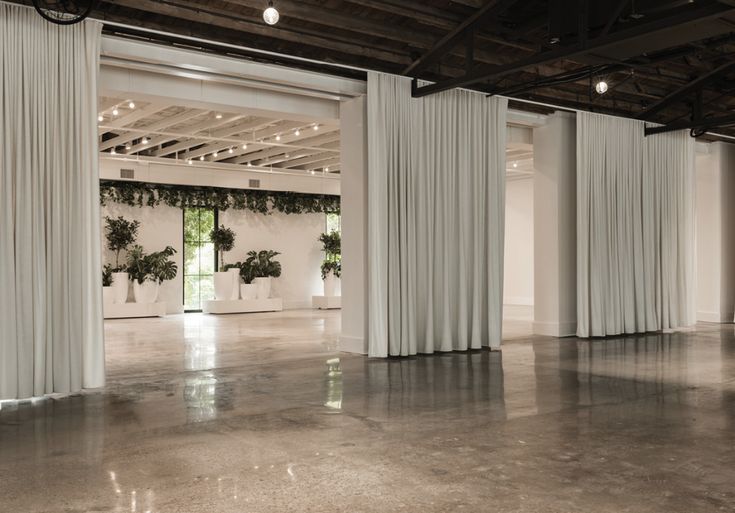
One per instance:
(601, 87)
(270, 15)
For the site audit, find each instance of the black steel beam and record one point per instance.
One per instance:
(686, 90)
(705, 123)
(616, 14)
(459, 33)
(687, 15)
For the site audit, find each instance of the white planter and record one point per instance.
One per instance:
(222, 286)
(249, 291)
(330, 285)
(146, 292)
(264, 287)
(120, 287)
(108, 295)
(235, 272)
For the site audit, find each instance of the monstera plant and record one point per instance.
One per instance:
(262, 265)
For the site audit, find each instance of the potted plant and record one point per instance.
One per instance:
(148, 271)
(108, 293)
(263, 268)
(120, 234)
(332, 264)
(248, 289)
(224, 240)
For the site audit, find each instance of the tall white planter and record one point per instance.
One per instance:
(146, 292)
(249, 291)
(120, 288)
(235, 272)
(264, 287)
(222, 285)
(330, 285)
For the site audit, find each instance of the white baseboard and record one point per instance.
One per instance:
(357, 345)
(296, 305)
(714, 317)
(555, 329)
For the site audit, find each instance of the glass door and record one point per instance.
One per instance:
(199, 258)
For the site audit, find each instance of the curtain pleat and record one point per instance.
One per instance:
(51, 337)
(635, 259)
(436, 196)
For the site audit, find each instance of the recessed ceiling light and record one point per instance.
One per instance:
(316, 127)
(326, 169)
(218, 116)
(131, 105)
(278, 137)
(115, 112)
(191, 162)
(270, 14)
(201, 157)
(215, 154)
(244, 146)
(297, 132)
(312, 171)
(250, 164)
(230, 150)
(515, 164)
(100, 118)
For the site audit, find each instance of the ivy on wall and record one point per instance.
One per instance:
(144, 194)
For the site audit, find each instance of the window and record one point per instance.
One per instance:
(333, 223)
(199, 258)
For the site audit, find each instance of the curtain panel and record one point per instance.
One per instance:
(635, 227)
(436, 200)
(51, 338)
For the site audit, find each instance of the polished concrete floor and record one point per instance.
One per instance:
(256, 414)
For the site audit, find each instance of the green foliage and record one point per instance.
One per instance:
(120, 234)
(107, 275)
(154, 266)
(331, 265)
(227, 267)
(260, 264)
(142, 194)
(224, 240)
(331, 243)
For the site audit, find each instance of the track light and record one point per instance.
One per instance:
(250, 164)
(326, 169)
(201, 157)
(270, 14)
(297, 132)
(215, 154)
(278, 137)
(312, 171)
(244, 146)
(316, 127)
(115, 112)
(191, 162)
(131, 105)
(515, 164)
(218, 116)
(113, 152)
(601, 87)
(100, 118)
(230, 150)
(127, 146)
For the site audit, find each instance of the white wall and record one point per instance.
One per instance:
(518, 273)
(159, 227)
(295, 236)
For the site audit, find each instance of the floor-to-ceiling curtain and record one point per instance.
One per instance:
(635, 218)
(50, 284)
(436, 200)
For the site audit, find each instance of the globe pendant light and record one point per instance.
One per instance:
(601, 87)
(270, 15)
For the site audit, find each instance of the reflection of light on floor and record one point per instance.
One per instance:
(200, 396)
(334, 385)
(201, 347)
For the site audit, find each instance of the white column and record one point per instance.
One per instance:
(353, 148)
(715, 216)
(555, 226)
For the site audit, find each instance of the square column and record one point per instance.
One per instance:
(555, 226)
(354, 187)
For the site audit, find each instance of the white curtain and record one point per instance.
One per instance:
(50, 284)
(635, 227)
(436, 200)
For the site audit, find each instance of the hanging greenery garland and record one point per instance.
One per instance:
(144, 194)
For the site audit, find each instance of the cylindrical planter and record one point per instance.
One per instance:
(249, 291)
(330, 285)
(108, 295)
(235, 272)
(146, 292)
(120, 287)
(222, 286)
(264, 287)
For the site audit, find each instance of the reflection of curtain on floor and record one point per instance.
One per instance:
(50, 283)
(436, 199)
(635, 235)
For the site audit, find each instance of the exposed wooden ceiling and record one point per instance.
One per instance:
(649, 51)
